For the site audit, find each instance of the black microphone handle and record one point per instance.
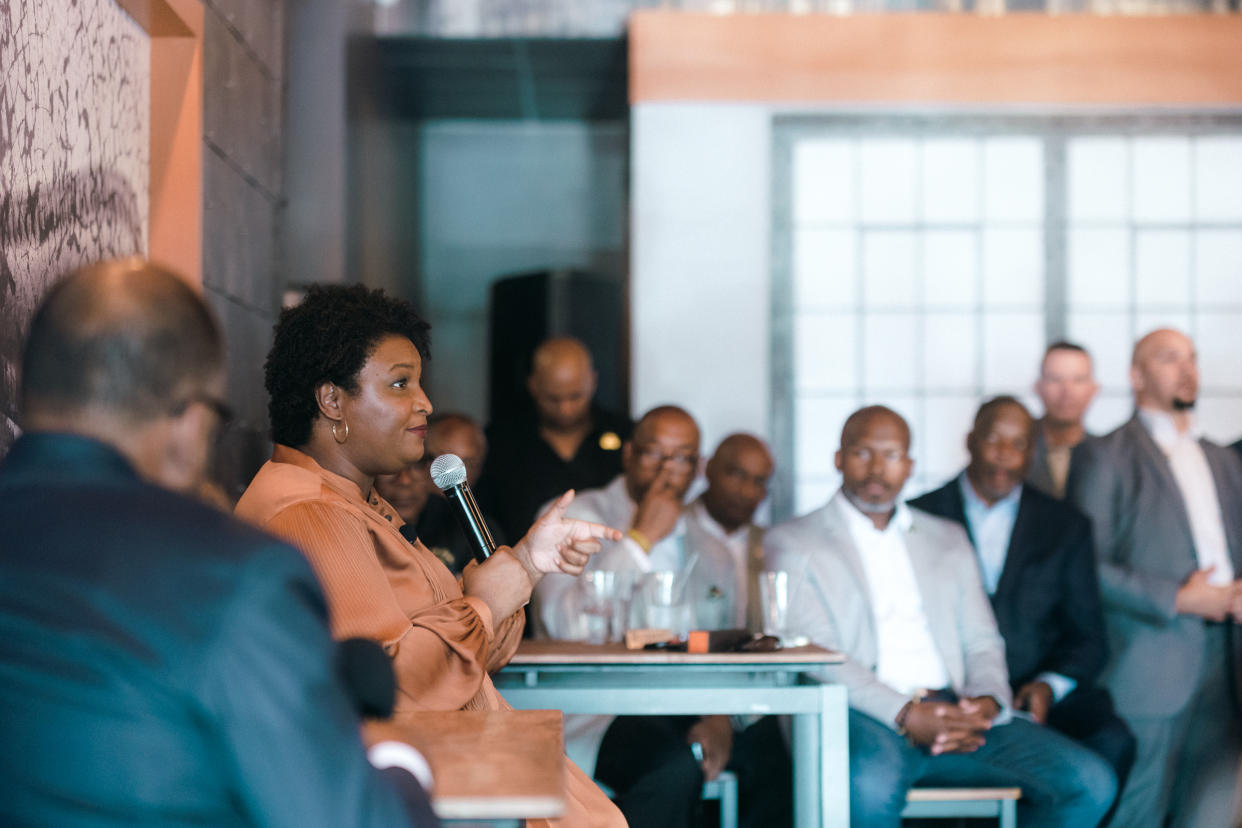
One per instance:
(471, 520)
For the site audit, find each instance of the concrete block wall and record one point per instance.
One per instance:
(243, 119)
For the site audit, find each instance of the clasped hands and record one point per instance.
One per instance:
(950, 727)
(1197, 596)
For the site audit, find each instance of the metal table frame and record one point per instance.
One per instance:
(763, 686)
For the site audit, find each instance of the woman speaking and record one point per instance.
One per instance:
(346, 405)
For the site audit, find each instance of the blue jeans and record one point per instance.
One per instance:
(1063, 783)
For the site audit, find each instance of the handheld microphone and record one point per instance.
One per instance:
(448, 472)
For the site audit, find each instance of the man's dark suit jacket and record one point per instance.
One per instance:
(161, 663)
(1047, 602)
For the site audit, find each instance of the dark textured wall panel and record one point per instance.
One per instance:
(74, 127)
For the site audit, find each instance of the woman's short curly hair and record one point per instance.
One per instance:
(328, 337)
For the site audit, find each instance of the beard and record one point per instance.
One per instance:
(869, 508)
(1180, 404)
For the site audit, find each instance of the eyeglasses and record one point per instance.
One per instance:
(653, 456)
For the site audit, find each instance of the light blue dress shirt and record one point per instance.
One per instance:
(991, 528)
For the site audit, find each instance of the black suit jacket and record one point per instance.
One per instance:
(1047, 602)
(162, 663)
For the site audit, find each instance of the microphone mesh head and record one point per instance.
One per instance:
(448, 471)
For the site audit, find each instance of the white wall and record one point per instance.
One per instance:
(700, 276)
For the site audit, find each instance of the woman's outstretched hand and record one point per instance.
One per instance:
(560, 544)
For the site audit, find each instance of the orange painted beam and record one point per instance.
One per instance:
(175, 227)
(937, 58)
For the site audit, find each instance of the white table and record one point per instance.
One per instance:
(582, 678)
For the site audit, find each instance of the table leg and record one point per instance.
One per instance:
(822, 762)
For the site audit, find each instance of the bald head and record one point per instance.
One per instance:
(562, 382)
(862, 420)
(737, 480)
(1164, 371)
(874, 461)
(664, 446)
(125, 337)
(126, 353)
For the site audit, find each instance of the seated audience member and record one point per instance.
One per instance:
(568, 442)
(898, 592)
(647, 760)
(1066, 386)
(160, 662)
(1165, 505)
(1038, 565)
(737, 482)
(424, 508)
(346, 405)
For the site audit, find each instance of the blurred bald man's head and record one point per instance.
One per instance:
(1164, 372)
(127, 353)
(562, 383)
(737, 480)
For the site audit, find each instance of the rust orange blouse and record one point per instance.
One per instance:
(443, 644)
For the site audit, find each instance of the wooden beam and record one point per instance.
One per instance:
(928, 58)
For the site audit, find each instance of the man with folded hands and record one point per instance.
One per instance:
(898, 592)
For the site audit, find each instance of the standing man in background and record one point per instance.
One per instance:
(1166, 511)
(1066, 386)
(569, 444)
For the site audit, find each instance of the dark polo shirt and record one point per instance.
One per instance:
(522, 471)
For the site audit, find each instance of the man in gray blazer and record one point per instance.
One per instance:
(898, 592)
(1166, 508)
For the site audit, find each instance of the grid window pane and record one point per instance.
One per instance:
(889, 262)
(1151, 320)
(947, 421)
(1108, 411)
(1218, 267)
(1161, 179)
(819, 422)
(1013, 344)
(949, 187)
(1098, 179)
(1162, 268)
(1099, 267)
(825, 352)
(888, 180)
(890, 352)
(1013, 175)
(1220, 417)
(950, 266)
(825, 272)
(823, 181)
(1216, 340)
(949, 351)
(1107, 336)
(1218, 178)
(1013, 267)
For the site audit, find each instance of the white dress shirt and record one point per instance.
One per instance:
(734, 547)
(1194, 477)
(907, 659)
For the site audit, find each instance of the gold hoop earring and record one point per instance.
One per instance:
(336, 436)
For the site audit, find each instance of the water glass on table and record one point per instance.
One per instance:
(774, 604)
(664, 602)
(600, 596)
